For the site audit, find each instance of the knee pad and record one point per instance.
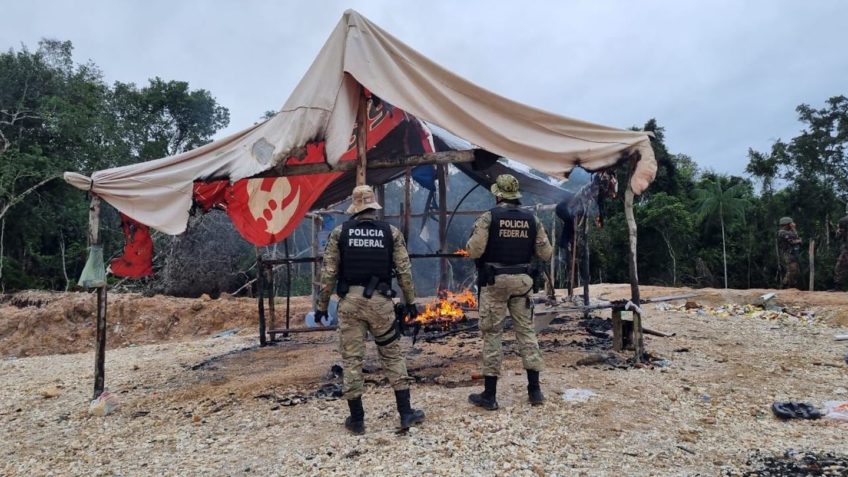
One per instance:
(388, 337)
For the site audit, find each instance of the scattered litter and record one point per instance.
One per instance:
(763, 312)
(841, 337)
(795, 410)
(796, 464)
(836, 410)
(225, 333)
(578, 395)
(104, 404)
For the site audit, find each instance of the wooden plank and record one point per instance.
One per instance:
(317, 224)
(445, 157)
(272, 294)
(361, 139)
(812, 253)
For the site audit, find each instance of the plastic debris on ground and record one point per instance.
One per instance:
(578, 395)
(836, 410)
(795, 410)
(104, 404)
(767, 312)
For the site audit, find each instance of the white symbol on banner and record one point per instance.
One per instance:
(267, 205)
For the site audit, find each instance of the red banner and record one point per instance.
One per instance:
(137, 260)
(267, 210)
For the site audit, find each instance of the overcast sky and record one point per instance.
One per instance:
(720, 76)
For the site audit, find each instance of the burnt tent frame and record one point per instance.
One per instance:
(475, 158)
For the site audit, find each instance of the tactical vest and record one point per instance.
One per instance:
(512, 236)
(366, 250)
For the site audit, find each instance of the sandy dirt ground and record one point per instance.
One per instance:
(192, 404)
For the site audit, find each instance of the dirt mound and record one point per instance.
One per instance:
(39, 323)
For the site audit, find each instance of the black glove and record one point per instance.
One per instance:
(412, 311)
(320, 316)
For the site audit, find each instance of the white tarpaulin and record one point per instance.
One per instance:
(323, 107)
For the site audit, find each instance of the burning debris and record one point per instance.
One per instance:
(449, 309)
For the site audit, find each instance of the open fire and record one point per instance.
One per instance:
(448, 309)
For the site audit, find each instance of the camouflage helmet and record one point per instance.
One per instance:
(506, 187)
(363, 198)
(786, 221)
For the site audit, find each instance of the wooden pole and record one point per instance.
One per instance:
(617, 331)
(317, 223)
(407, 203)
(100, 346)
(554, 256)
(638, 342)
(584, 266)
(260, 292)
(381, 199)
(573, 261)
(271, 285)
(812, 264)
(361, 139)
(288, 285)
(442, 173)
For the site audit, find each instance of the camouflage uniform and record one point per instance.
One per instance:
(359, 315)
(840, 271)
(789, 245)
(509, 293)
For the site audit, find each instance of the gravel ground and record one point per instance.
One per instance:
(219, 407)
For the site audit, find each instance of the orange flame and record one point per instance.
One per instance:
(450, 307)
(461, 252)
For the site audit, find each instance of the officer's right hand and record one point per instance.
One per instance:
(321, 317)
(412, 311)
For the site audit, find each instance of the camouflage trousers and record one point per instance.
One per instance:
(840, 271)
(508, 293)
(792, 277)
(357, 317)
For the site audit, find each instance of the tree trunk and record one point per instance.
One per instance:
(723, 246)
(673, 259)
(2, 237)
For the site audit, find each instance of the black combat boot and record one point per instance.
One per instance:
(486, 399)
(534, 391)
(355, 423)
(408, 416)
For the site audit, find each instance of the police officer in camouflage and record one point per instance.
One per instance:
(504, 241)
(359, 260)
(840, 271)
(789, 244)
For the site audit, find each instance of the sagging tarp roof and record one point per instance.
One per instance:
(323, 106)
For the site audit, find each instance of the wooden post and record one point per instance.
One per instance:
(638, 343)
(573, 262)
(288, 286)
(812, 264)
(617, 331)
(100, 345)
(381, 199)
(317, 224)
(441, 171)
(584, 265)
(407, 203)
(361, 138)
(272, 295)
(554, 256)
(260, 292)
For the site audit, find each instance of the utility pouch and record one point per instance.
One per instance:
(386, 290)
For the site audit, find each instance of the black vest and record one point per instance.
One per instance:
(512, 236)
(366, 250)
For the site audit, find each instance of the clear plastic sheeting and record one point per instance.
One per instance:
(94, 272)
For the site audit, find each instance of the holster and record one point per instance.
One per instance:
(368, 292)
(386, 290)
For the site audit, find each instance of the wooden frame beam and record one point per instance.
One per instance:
(446, 157)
